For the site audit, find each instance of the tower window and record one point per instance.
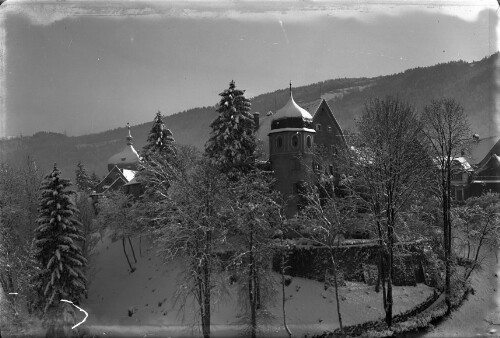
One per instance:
(295, 141)
(318, 127)
(308, 141)
(279, 142)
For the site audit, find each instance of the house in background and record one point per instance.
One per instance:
(486, 176)
(461, 177)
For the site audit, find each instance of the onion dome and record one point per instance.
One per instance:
(128, 158)
(291, 117)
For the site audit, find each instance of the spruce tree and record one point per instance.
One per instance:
(232, 141)
(83, 181)
(58, 238)
(158, 154)
(94, 180)
(159, 141)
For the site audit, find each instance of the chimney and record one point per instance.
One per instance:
(256, 120)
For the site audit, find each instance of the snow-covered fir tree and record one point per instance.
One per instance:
(83, 181)
(232, 141)
(58, 238)
(160, 140)
(158, 154)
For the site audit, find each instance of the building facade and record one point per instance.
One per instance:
(291, 138)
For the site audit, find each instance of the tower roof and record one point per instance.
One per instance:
(128, 158)
(291, 115)
(292, 109)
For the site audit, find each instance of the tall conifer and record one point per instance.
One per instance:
(160, 139)
(58, 238)
(232, 142)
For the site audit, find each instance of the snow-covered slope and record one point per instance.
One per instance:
(138, 303)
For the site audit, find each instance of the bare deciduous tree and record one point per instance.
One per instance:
(19, 192)
(325, 218)
(256, 216)
(117, 212)
(478, 225)
(389, 166)
(447, 135)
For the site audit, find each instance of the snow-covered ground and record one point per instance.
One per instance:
(479, 315)
(139, 303)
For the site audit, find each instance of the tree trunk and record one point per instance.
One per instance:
(205, 321)
(289, 333)
(132, 269)
(140, 245)
(251, 288)
(132, 247)
(447, 235)
(390, 247)
(388, 307)
(334, 269)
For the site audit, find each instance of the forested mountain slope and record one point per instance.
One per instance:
(473, 85)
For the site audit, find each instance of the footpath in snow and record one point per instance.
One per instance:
(479, 315)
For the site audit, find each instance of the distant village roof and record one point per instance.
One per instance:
(128, 158)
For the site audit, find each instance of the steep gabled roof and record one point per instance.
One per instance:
(113, 174)
(119, 182)
(482, 149)
(490, 168)
(324, 103)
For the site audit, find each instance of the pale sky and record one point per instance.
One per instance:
(85, 67)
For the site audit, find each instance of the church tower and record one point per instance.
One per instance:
(291, 142)
(128, 158)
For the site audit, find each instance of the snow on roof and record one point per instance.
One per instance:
(127, 156)
(133, 181)
(292, 109)
(292, 129)
(129, 174)
(463, 162)
(480, 149)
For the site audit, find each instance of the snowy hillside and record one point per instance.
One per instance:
(128, 304)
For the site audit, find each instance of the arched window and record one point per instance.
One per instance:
(329, 129)
(318, 127)
(308, 141)
(295, 141)
(279, 142)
